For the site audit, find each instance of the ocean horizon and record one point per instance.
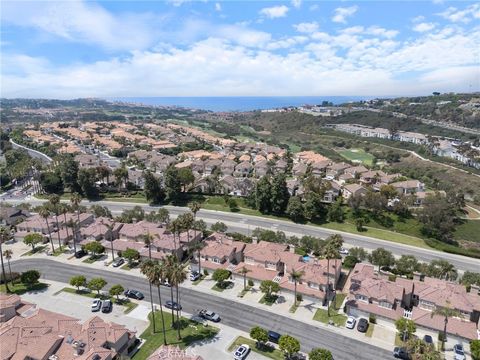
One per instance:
(238, 103)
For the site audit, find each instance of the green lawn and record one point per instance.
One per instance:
(269, 352)
(129, 267)
(37, 250)
(357, 155)
(199, 280)
(20, 288)
(129, 305)
(221, 287)
(242, 293)
(468, 231)
(191, 331)
(322, 316)
(92, 259)
(268, 300)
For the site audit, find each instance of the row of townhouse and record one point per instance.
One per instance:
(372, 293)
(381, 133)
(270, 261)
(29, 332)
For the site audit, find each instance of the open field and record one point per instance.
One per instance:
(357, 156)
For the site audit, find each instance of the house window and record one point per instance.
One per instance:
(426, 305)
(312, 285)
(271, 265)
(216, 260)
(249, 260)
(361, 297)
(385, 304)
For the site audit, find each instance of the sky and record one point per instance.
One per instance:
(75, 48)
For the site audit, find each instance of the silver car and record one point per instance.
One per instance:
(241, 352)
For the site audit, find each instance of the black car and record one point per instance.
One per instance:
(173, 305)
(134, 294)
(80, 253)
(107, 306)
(273, 336)
(400, 353)
(362, 325)
(428, 339)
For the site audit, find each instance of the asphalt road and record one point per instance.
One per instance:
(33, 153)
(246, 224)
(236, 315)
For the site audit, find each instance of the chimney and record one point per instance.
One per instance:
(254, 240)
(292, 248)
(134, 220)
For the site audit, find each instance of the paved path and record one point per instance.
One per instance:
(237, 315)
(33, 153)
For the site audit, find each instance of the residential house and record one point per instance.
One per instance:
(281, 166)
(36, 223)
(409, 186)
(211, 165)
(101, 228)
(353, 190)
(356, 170)
(227, 167)
(319, 168)
(299, 169)
(372, 176)
(332, 193)
(221, 251)
(261, 169)
(12, 215)
(243, 169)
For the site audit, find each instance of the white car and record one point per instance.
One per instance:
(343, 251)
(459, 352)
(351, 321)
(241, 352)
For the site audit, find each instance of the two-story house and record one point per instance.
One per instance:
(221, 251)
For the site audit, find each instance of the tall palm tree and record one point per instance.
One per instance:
(169, 263)
(329, 252)
(110, 226)
(148, 239)
(446, 312)
(73, 225)
(195, 208)
(8, 255)
(5, 235)
(54, 202)
(146, 268)
(63, 209)
(197, 246)
(295, 276)
(45, 213)
(178, 276)
(244, 271)
(157, 278)
(76, 200)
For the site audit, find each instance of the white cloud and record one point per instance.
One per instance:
(275, 11)
(423, 27)
(296, 3)
(464, 16)
(379, 31)
(287, 43)
(418, 18)
(342, 13)
(313, 7)
(306, 27)
(218, 7)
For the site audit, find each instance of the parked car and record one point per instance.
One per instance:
(194, 275)
(351, 321)
(428, 339)
(273, 336)
(96, 305)
(80, 253)
(459, 352)
(362, 325)
(241, 352)
(209, 315)
(173, 305)
(166, 283)
(134, 294)
(343, 251)
(400, 353)
(118, 261)
(107, 306)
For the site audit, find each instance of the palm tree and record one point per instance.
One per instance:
(5, 235)
(54, 201)
(73, 224)
(8, 255)
(110, 226)
(178, 276)
(169, 263)
(194, 208)
(158, 273)
(446, 312)
(244, 271)
(146, 268)
(148, 239)
(75, 200)
(45, 213)
(63, 209)
(295, 276)
(329, 252)
(198, 247)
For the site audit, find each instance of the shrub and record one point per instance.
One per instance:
(441, 337)
(299, 297)
(30, 277)
(372, 318)
(205, 272)
(250, 282)
(475, 349)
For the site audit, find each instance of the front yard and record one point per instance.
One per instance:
(269, 352)
(337, 318)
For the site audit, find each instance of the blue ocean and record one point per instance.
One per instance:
(239, 103)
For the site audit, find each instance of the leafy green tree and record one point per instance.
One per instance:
(440, 269)
(359, 223)
(116, 290)
(30, 277)
(51, 182)
(78, 281)
(86, 180)
(95, 248)
(263, 195)
(335, 212)
(359, 253)
(32, 239)
(163, 216)
(438, 217)
(260, 335)
(153, 189)
(381, 258)
(405, 327)
(475, 349)
(320, 354)
(121, 176)
(295, 209)
(219, 227)
(131, 255)
(100, 211)
(406, 265)
(279, 194)
(172, 183)
(420, 350)
(314, 208)
(97, 284)
(289, 345)
(69, 172)
(470, 278)
(269, 287)
(388, 191)
(220, 276)
(350, 261)
(186, 178)
(375, 202)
